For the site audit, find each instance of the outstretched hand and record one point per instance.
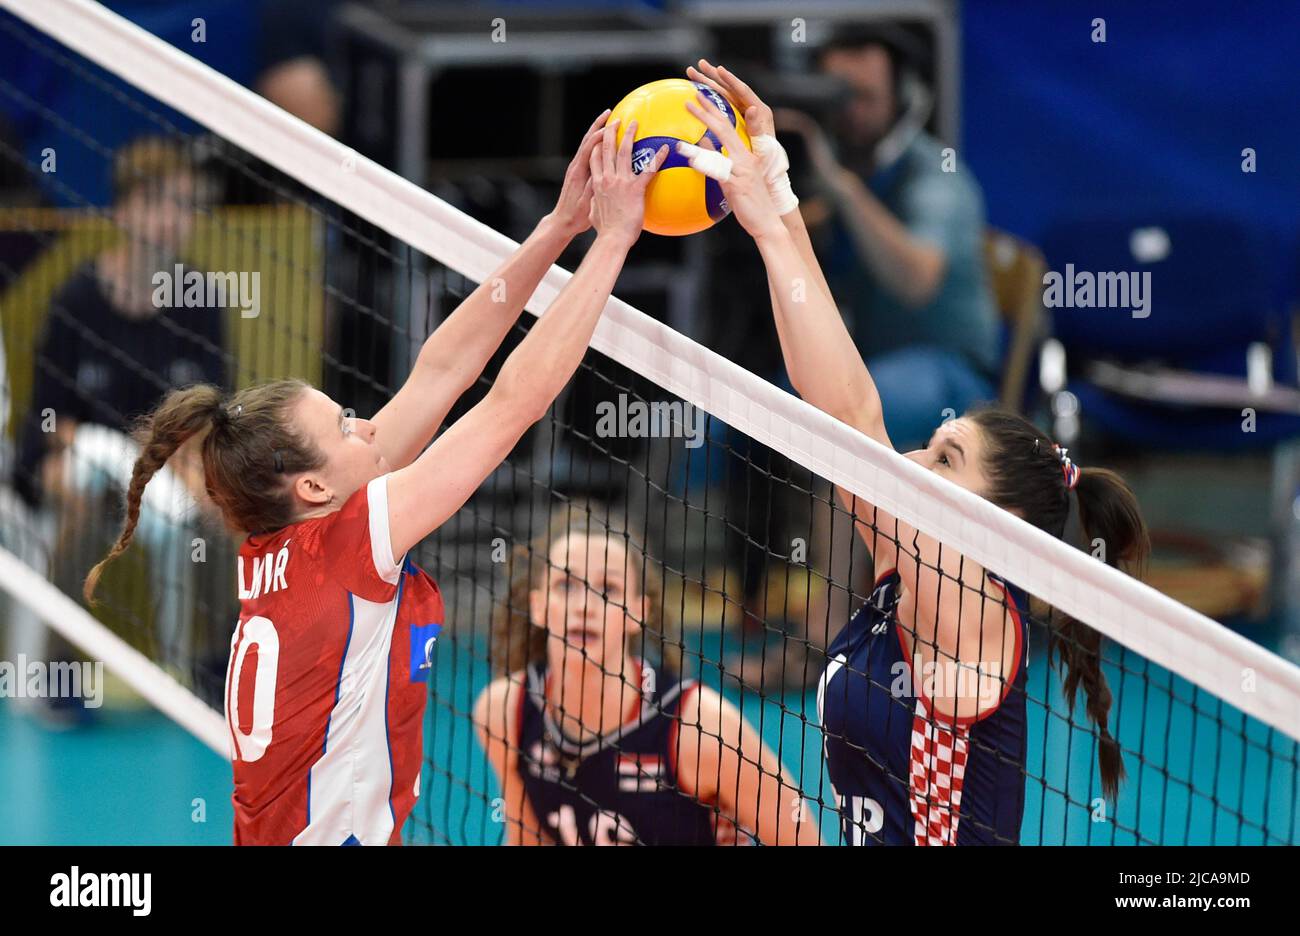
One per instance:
(618, 192)
(573, 207)
(743, 185)
(758, 116)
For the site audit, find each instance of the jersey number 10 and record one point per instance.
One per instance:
(260, 632)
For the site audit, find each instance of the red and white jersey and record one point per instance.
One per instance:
(327, 680)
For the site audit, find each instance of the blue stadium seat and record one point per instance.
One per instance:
(1211, 298)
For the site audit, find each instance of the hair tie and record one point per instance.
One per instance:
(279, 462)
(222, 417)
(1069, 469)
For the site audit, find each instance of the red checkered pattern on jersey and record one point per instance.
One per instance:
(939, 755)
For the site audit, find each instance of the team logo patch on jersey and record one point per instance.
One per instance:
(423, 638)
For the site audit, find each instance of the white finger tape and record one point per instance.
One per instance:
(710, 162)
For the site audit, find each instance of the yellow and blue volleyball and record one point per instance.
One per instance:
(679, 200)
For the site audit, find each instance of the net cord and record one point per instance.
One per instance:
(1129, 612)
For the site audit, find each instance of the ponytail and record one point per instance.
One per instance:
(181, 415)
(1032, 477)
(1108, 515)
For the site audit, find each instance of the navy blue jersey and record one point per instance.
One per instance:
(904, 774)
(617, 789)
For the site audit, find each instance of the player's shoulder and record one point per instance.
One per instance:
(356, 532)
(356, 509)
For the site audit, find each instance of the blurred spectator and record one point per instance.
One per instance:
(292, 72)
(905, 252)
(109, 352)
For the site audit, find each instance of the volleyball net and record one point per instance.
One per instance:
(280, 252)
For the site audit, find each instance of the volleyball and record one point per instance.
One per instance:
(679, 200)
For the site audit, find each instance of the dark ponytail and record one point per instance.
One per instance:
(1112, 524)
(1026, 476)
(182, 414)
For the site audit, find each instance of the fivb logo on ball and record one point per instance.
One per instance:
(642, 158)
(713, 96)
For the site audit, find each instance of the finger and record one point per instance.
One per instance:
(709, 162)
(715, 121)
(695, 75)
(732, 86)
(624, 162)
(596, 166)
(594, 134)
(599, 121)
(607, 149)
(738, 87)
(589, 143)
(647, 174)
(709, 70)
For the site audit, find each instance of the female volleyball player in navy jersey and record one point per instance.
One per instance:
(922, 701)
(594, 745)
(325, 691)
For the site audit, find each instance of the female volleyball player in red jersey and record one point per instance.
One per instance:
(911, 766)
(592, 744)
(325, 691)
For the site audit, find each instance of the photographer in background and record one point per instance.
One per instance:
(904, 244)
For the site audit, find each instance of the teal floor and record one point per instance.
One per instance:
(131, 777)
(1204, 775)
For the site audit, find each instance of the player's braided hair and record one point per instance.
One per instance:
(1026, 476)
(516, 642)
(249, 449)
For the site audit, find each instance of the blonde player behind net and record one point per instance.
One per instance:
(325, 691)
(592, 743)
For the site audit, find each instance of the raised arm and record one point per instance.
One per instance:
(454, 356)
(823, 363)
(827, 370)
(427, 492)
